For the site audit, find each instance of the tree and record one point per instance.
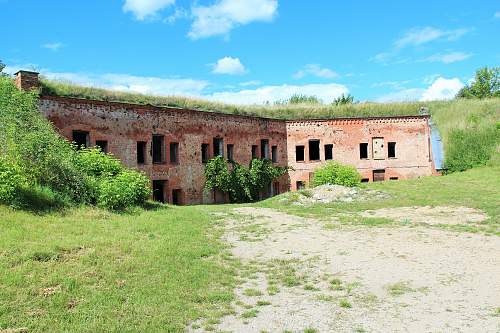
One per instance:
(486, 84)
(343, 99)
(2, 66)
(299, 99)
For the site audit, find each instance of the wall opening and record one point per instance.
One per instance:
(103, 145)
(300, 185)
(299, 153)
(158, 149)
(254, 151)
(264, 148)
(159, 190)
(363, 150)
(205, 156)
(177, 196)
(276, 188)
(274, 154)
(393, 178)
(141, 152)
(328, 152)
(81, 139)
(391, 149)
(230, 152)
(378, 175)
(365, 180)
(174, 152)
(314, 150)
(378, 148)
(218, 147)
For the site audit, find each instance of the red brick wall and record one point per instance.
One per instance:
(411, 134)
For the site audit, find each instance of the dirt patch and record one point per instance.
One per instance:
(333, 193)
(430, 215)
(297, 275)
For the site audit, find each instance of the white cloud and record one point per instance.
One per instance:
(448, 58)
(315, 70)
(326, 92)
(229, 65)
(440, 89)
(250, 83)
(419, 36)
(143, 9)
(221, 17)
(53, 46)
(179, 13)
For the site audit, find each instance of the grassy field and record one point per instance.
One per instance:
(88, 270)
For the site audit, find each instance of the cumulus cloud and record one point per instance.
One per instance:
(440, 89)
(224, 15)
(448, 58)
(143, 9)
(326, 92)
(315, 70)
(53, 46)
(229, 65)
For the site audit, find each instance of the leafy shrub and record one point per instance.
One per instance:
(128, 188)
(95, 163)
(336, 174)
(11, 181)
(469, 148)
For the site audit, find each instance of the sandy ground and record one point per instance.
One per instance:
(360, 279)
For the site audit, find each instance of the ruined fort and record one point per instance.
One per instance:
(171, 145)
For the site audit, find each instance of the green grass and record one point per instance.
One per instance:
(343, 303)
(88, 270)
(399, 288)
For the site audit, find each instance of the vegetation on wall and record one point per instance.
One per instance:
(34, 158)
(240, 183)
(335, 173)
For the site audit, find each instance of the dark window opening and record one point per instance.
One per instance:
(328, 152)
(391, 149)
(103, 145)
(141, 152)
(81, 139)
(174, 152)
(363, 150)
(299, 153)
(159, 190)
(204, 152)
(274, 154)
(393, 178)
(264, 148)
(254, 152)
(300, 185)
(365, 180)
(230, 152)
(158, 149)
(218, 147)
(176, 197)
(276, 188)
(378, 175)
(314, 150)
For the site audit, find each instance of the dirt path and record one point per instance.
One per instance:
(299, 275)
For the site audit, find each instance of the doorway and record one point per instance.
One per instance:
(159, 190)
(378, 175)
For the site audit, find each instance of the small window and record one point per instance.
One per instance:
(378, 175)
(363, 150)
(274, 154)
(393, 178)
(365, 180)
(177, 196)
(174, 152)
(230, 152)
(218, 147)
(299, 153)
(300, 185)
(328, 152)
(314, 150)
(159, 190)
(158, 149)
(254, 152)
(264, 148)
(141, 152)
(103, 145)
(204, 152)
(81, 139)
(391, 149)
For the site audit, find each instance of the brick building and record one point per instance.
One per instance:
(171, 145)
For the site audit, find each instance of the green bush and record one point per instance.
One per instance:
(128, 188)
(336, 174)
(11, 181)
(472, 147)
(95, 163)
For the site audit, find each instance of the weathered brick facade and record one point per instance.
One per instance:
(171, 144)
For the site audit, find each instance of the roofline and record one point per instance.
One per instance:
(23, 71)
(163, 108)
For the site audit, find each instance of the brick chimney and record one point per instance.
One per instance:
(26, 80)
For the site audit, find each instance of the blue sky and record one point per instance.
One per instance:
(251, 51)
